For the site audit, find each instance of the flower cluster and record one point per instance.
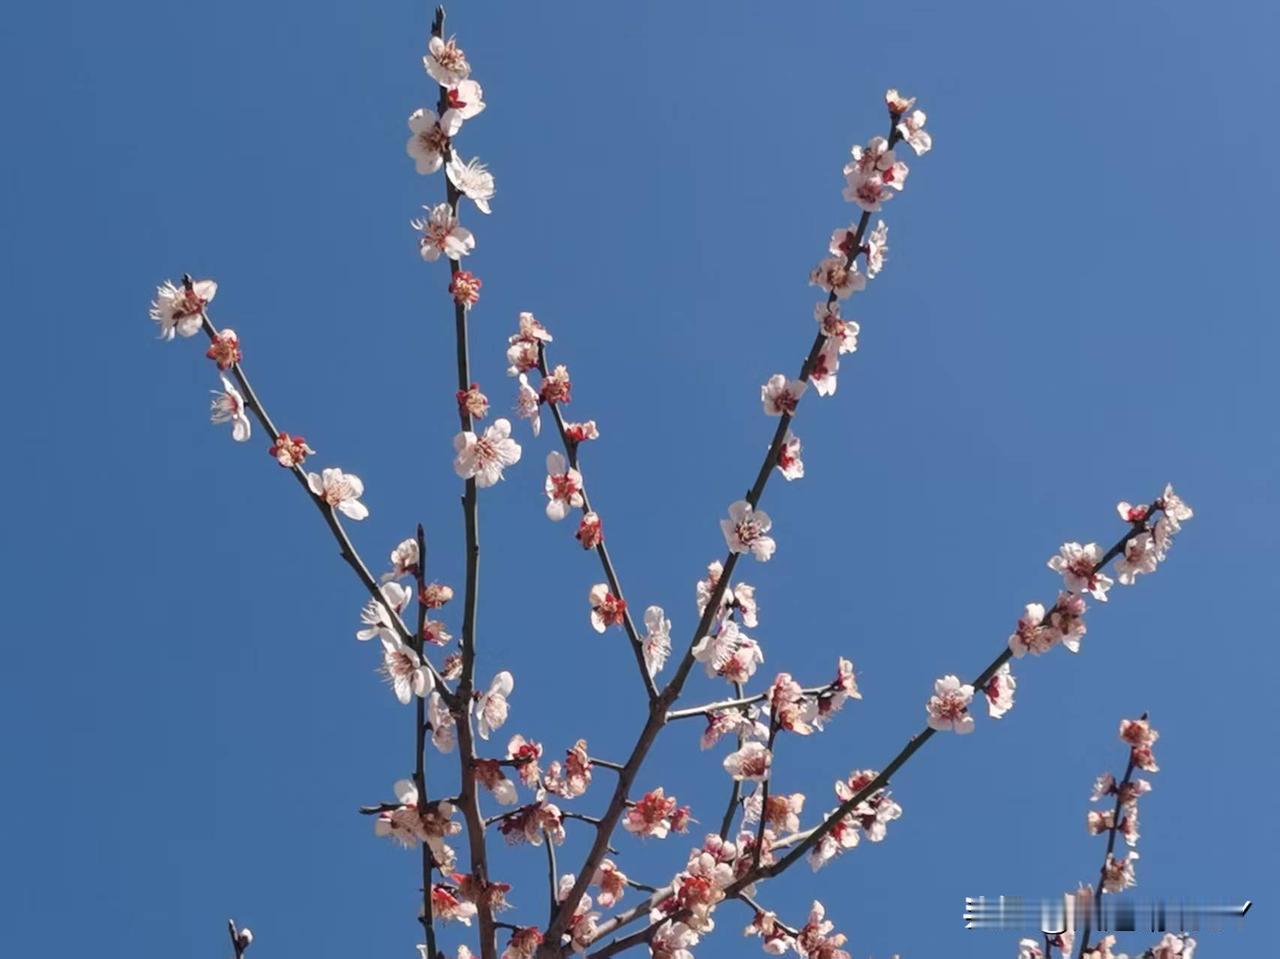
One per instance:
(869, 819)
(1122, 818)
(431, 147)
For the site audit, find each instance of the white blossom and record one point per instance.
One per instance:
(491, 706)
(342, 491)
(228, 407)
(485, 457)
(472, 179)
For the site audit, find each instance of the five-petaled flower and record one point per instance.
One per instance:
(341, 491)
(746, 531)
(441, 233)
(1079, 566)
(948, 707)
(781, 395)
(485, 457)
(838, 277)
(429, 138)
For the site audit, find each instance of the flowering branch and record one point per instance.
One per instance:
(671, 692)
(571, 452)
(293, 462)
(461, 709)
(1063, 620)
(1115, 875)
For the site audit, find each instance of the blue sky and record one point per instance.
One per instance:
(1077, 309)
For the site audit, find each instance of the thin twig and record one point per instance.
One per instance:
(1096, 902)
(602, 550)
(735, 787)
(420, 752)
(708, 708)
(461, 710)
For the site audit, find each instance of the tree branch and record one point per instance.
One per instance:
(800, 843)
(347, 548)
(671, 692)
(1096, 903)
(468, 797)
(601, 550)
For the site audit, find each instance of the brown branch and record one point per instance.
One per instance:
(671, 692)
(735, 789)
(601, 550)
(799, 843)
(468, 795)
(420, 753)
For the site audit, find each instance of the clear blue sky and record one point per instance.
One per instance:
(1079, 306)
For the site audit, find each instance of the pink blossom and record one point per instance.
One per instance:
(838, 277)
(1079, 568)
(948, 707)
(751, 762)
(729, 653)
(999, 692)
(611, 881)
(781, 395)
(491, 706)
(650, 815)
(746, 529)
